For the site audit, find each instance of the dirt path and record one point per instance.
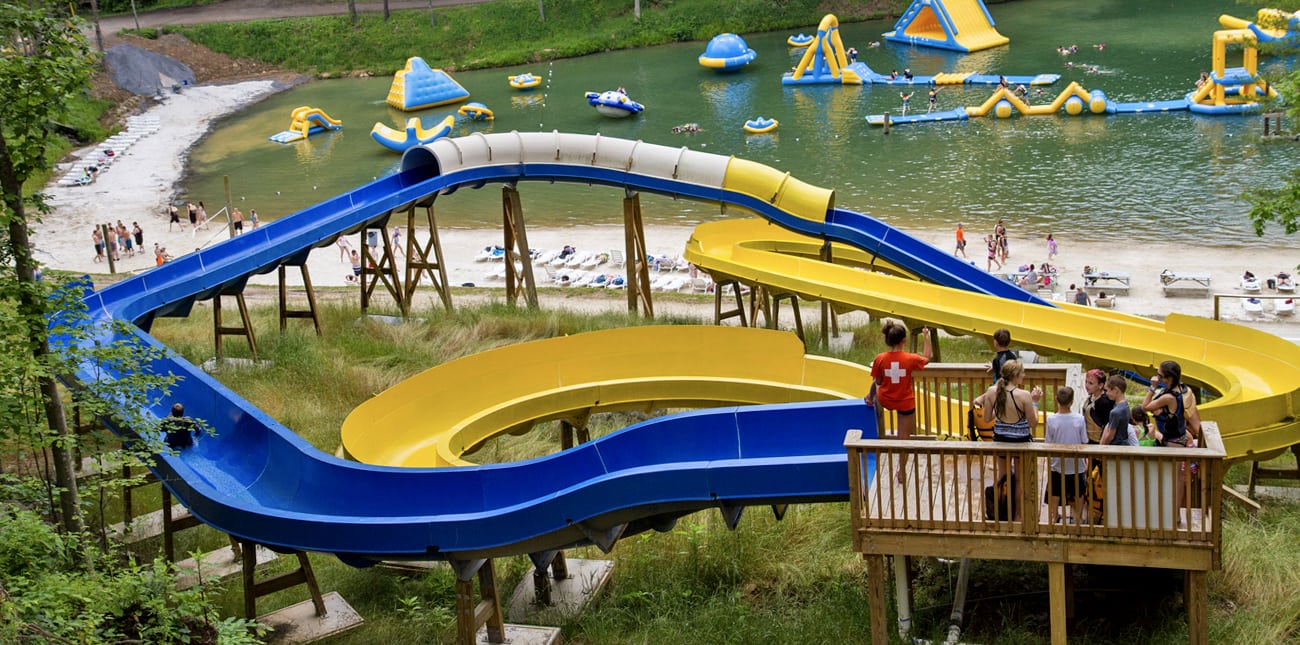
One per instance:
(241, 10)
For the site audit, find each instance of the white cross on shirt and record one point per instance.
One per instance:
(895, 373)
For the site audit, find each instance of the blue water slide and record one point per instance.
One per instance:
(258, 480)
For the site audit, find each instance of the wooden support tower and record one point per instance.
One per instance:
(1272, 124)
(1260, 473)
(379, 270)
(253, 588)
(245, 329)
(424, 259)
(732, 285)
(762, 300)
(519, 259)
(471, 614)
(286, 313)
(638, 267)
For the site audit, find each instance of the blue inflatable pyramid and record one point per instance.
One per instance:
(417, 86)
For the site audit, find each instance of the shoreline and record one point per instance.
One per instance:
(139, 184)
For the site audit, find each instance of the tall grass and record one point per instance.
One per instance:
(504, 32)
(790, 581)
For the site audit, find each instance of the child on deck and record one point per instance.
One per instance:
(891, 385)
(1068, 477)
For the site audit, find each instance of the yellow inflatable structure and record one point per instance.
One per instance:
(304, 122)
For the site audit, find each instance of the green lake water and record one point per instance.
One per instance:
(1175, 176)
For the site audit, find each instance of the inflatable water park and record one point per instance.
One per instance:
(727, 53)
(524, 81)
(959, 25)
(825, 61)
(1270, 26)
(415, 134)
(305, 121)
(1223, 91)
(418, 86)
(614, 103)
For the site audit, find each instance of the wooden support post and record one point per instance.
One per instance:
(573, 433)
(382, 269)
(1056, 601)
(418, 261)
(471, 614)
(1197, 596)
(638, 268)
(171, 525)
(760, 301)
(519, 259)
(108, 249)
(253, 589)
(220, 331)
(876, 598)
(1272, 124)
(794, 306)
(310, 312)
(885, 124)
(739, 312)
(830, 323)
(542, 582)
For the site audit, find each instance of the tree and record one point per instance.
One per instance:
(46, 60)
(1279, 205)
(352, 11)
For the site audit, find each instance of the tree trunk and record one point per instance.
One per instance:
(136, 15)
(636, 9)
(385, 10)
(352, 11)
(433, 20)
(31, 306)
(541, 11)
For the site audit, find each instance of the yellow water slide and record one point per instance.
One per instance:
(1256, 374)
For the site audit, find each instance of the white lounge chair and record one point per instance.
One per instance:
(1252, 305)
(1284, 307)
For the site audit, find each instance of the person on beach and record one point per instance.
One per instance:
(907, 100)
(934, 100)
(1080, 296)
(1051, 247)
(1067, 478)
(1116, 432)
(993, 253)
(237, 219)
(110, 244)
(355, 278)
(891, 384)
(203, 216)
(961, 242)
(397, 241)
(139, 235)
(98, 239)
(344, 246)
(173, 217)
(1000, 238)
(124, 238)
(194, 215)
(252, 218)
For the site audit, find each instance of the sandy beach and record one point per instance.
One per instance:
(140, 183)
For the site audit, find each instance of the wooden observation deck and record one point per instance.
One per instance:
(1145, 507)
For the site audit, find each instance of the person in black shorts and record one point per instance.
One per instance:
(173, 216)
(194, 216)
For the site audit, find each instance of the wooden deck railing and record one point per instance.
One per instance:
(944, 392)
(1142, 506)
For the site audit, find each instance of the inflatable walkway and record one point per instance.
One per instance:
(960, 25)
(259, 481)
(825, 62)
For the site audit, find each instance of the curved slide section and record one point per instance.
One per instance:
(257, 480)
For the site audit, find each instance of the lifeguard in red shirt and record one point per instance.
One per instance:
(891, 374)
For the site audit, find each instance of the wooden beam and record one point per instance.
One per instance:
(876, 598)
(286, 313)
(418, 262)
(519, 279)
(638, 268)
(1056, 599)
